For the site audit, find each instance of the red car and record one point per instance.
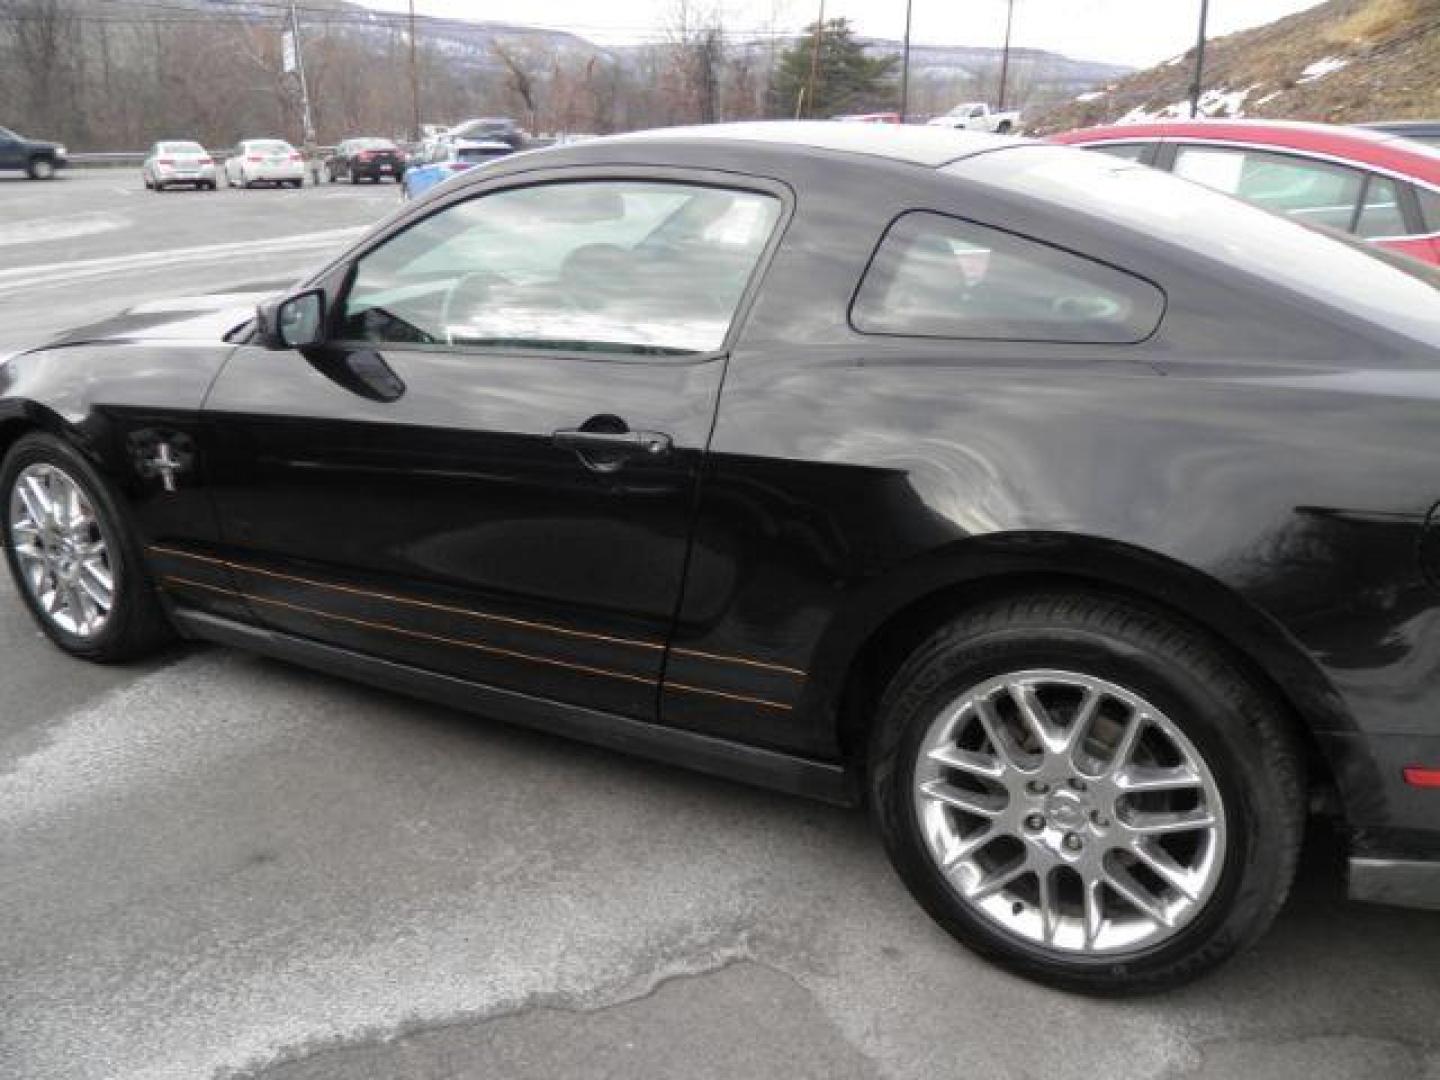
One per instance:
(1373, 185)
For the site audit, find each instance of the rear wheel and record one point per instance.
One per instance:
(1087, 792)
(73, 556)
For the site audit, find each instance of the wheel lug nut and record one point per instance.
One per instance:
(1072, 842)
(1037, 787)
(1076, 784)
(1035, 823)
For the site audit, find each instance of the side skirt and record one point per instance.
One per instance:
(819, 780)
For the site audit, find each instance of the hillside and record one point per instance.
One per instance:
(1344, 61)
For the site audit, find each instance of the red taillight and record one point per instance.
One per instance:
(165, 161)
(206, 161)
(1418, 776)
(458, 166)
(296, 157)
(365, 155)
(254, 157)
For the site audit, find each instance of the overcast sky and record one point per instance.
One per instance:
(1138, 32)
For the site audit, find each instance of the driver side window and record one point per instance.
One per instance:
(635, 267)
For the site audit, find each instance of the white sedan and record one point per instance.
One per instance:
(178, 163)
(265, 161)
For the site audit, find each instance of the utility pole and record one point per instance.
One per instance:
(905, 65)
(815, 58)
(414, 79)
(306, 119)
(1199, 60)
(1005, 55)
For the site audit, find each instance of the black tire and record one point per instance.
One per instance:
(1242, 735)
(1003, 128)
(136, 625)
(41, 168)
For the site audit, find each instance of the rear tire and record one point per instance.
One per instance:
(1036, 838)
(61, 566)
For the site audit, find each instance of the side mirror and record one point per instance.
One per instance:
(293, 322)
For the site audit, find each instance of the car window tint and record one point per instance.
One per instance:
(619, 266)
(1381, 214)
(935, 276)
(1127, 151)
(1313, 191)
(1429, 207)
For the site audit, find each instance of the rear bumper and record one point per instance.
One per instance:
(1410, 883)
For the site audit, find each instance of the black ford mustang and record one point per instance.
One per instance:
(1077, 517)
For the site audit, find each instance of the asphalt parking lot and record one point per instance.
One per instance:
(213, 865)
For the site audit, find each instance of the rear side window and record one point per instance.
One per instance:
(937, 276)
(1429, 207)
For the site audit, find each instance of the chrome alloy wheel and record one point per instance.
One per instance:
(1070, 812)
(62, 550)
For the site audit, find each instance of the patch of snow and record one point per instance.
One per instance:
(1219, 102)
(1093, 95)
(1269, 97)
(59, 228)
(1320, 68)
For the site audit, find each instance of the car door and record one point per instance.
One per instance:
(489, 469)
(10, 155)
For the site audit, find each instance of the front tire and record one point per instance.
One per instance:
(1087, 792)
(73, 556)
(41, 168)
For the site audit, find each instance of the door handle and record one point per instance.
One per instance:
(627, 443)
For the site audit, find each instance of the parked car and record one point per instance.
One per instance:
(1378, 187)
(488, 129)
(446, 160)
(1109, 554)
(1425, 131)
(265, 161)
(174, 163)
(366, 159)
(978, 116)
(35, 157)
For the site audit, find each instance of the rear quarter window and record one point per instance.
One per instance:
(936, 276)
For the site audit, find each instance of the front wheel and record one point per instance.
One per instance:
(73, 557)
(41, 168)
(1087, 792)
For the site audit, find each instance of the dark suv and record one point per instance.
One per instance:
(366, 159)
(37, 158)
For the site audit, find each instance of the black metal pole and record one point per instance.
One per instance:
(414, 79)
(905, 65)
(1195, 87)
(1005, 56)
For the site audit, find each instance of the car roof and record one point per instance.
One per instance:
(916, 144)
(1380, 149)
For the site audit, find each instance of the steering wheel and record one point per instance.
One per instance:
(474, 287)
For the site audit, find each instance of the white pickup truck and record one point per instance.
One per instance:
(977, 116)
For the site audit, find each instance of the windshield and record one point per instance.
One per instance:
(269, 146)
(181, 148)
(1357, 278)
(373, 144)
